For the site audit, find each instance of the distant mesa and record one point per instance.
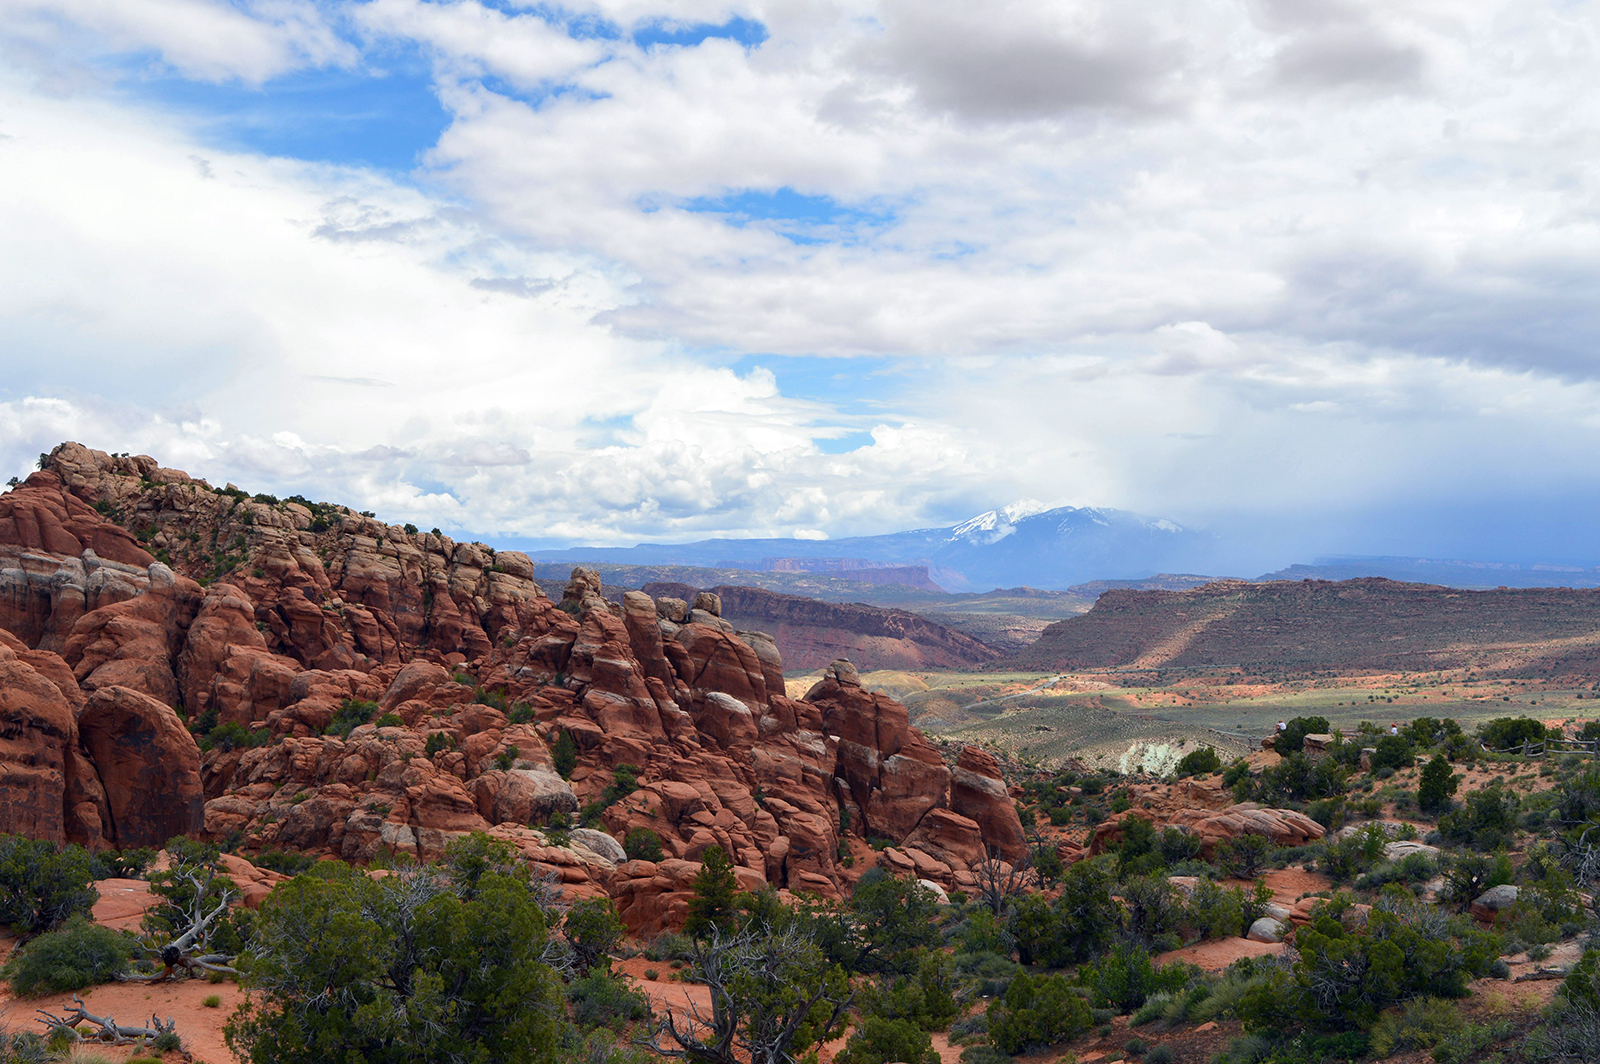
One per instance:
(1367, 623)
(924, 577)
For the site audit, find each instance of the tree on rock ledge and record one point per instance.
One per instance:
(421, 966)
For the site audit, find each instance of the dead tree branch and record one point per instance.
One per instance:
(107, 1030)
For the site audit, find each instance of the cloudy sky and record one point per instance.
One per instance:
(1318, 275)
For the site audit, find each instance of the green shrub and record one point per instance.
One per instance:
(1077, 926)
(428, 965)
(1216, 911)
(1199, 762)
(43, 884)
(231, 735)
(879, 1040)
(1468, 875)
(1293, 738)
(1426, 731)
(1243, 857)
(1505, 733)
(984, 1054)
(1345, 859)
(925, 998)
(121, 864)
(212, 1001)
(521, 713)
(1582, 985)
(711, 907)
(80, 954)
(642, 844)
(1404, 950)
(284, 861)
(564, 754)
(1151, 908)
(600, 999)
(390, 720)
(1392, 751)
(1438, 783)
(593, 930)
(1487, 820)
(668, 946)
(1124, 977)
(1037, 1011)
(438, 742)
(351, 714)
(1296, 778)
(1422, 1025)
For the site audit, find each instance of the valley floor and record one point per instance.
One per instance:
(1138, 719)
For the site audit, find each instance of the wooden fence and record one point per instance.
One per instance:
(1591, 747)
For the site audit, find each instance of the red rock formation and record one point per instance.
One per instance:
(1284, 827)
(466, 675)
(978, 791)
(37, 729)
(148, 764)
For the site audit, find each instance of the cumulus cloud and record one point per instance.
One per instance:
(207, 39)
(1191, 258)
(1018, 60)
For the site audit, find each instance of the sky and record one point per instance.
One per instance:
(1317, 276)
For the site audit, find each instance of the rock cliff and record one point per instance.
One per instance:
(359, 688)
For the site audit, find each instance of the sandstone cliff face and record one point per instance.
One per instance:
(811, 633)
(466, 676)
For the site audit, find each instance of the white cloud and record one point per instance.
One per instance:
(211, 40)
(1180, 258)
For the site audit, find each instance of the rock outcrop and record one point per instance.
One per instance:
(359, 688)
(1284, 827)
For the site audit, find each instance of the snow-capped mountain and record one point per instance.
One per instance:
(1023, 543)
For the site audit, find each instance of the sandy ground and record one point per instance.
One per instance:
(122, 904)
(200, 1027)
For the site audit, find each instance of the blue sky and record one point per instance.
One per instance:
(1316, 277)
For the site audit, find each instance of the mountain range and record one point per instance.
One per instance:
(1020, 544)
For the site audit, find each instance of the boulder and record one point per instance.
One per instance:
(1266, 929)
(1488, 905)
(148, 764)
(600, 844)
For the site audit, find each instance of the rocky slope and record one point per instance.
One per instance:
(135, 600)
(810, 633)
(1369, 623)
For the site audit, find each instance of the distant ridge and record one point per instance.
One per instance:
(1369, 623)
(1006, 547)
(811, 634)
(1449, 573)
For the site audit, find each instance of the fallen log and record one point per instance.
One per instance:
(106, 1030)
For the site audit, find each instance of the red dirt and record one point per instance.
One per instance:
(200, 1027)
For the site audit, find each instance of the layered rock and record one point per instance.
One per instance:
(1283, 827)
(453, 678)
